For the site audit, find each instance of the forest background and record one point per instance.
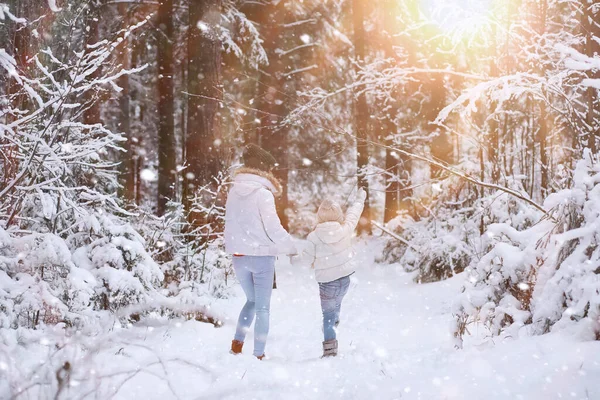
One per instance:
(473, 125)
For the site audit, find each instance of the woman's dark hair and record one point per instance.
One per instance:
(258, 158)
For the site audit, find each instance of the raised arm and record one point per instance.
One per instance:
(272, 224)
(355, 211)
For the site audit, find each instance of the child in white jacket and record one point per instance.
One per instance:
(330, 253)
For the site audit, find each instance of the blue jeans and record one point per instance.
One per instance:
(332, 293)
(256, 277)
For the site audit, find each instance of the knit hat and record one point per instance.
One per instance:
(329, 210)
(258, 158)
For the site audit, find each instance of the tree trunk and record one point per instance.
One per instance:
(542, 139)
(493, 139)
(441, 146)
(137, 127)
(273, 100)
(397, 165)
(127, 159)
(543, 123)
(392, 183)
(479, 192)
(166, 119)
(493, 144)
(22, 51)
(92, 113)
(361, 114)
(591, 24)
(203, 133)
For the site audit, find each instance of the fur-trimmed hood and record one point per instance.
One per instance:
(256, 177)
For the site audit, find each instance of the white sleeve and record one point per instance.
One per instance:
(353, 217)
(311, 253)
(272, 225)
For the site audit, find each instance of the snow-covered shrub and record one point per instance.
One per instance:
(202, 255)
(446, 240)
(47, 279)
(436, 247)
(193, 238)
(115, 254)
(206, 266)
(498, 289)
(195, 269)
(195, 266)
(545, 276)
(568, 287)
(39, 282)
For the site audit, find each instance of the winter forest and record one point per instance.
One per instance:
(473, 127)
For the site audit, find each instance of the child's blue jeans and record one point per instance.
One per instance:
(256, 277)
(332, 293)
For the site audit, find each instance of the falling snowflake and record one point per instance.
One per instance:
(148, 175)
(306, 162)
(202, 26)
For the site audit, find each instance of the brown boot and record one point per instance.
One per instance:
(260, 357)
(330, 348)
(236, 347)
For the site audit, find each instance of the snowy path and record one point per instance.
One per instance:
(394, 344)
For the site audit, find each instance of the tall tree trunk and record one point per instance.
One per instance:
(22, 51)
(543, 123)
(127, 159)
(542, 139)
(493, 140)
(441, 146)
(361, 113)
(529, 147)
(137, 123)
(591, 25)
(166, 119)
(203, 128)
(397, 165)
(592, 118)
(92, 112)
(272, 98)
(509, 127)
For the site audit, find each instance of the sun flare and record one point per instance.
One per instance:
(458, 18)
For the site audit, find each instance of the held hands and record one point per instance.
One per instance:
(292, 253)
(361, 195)
(296, 259)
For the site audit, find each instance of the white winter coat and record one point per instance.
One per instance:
(252, 226)
(330, 246)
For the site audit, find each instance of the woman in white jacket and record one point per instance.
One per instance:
(254, 236)
(331, 254)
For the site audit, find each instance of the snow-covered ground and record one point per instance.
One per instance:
(395, 343)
